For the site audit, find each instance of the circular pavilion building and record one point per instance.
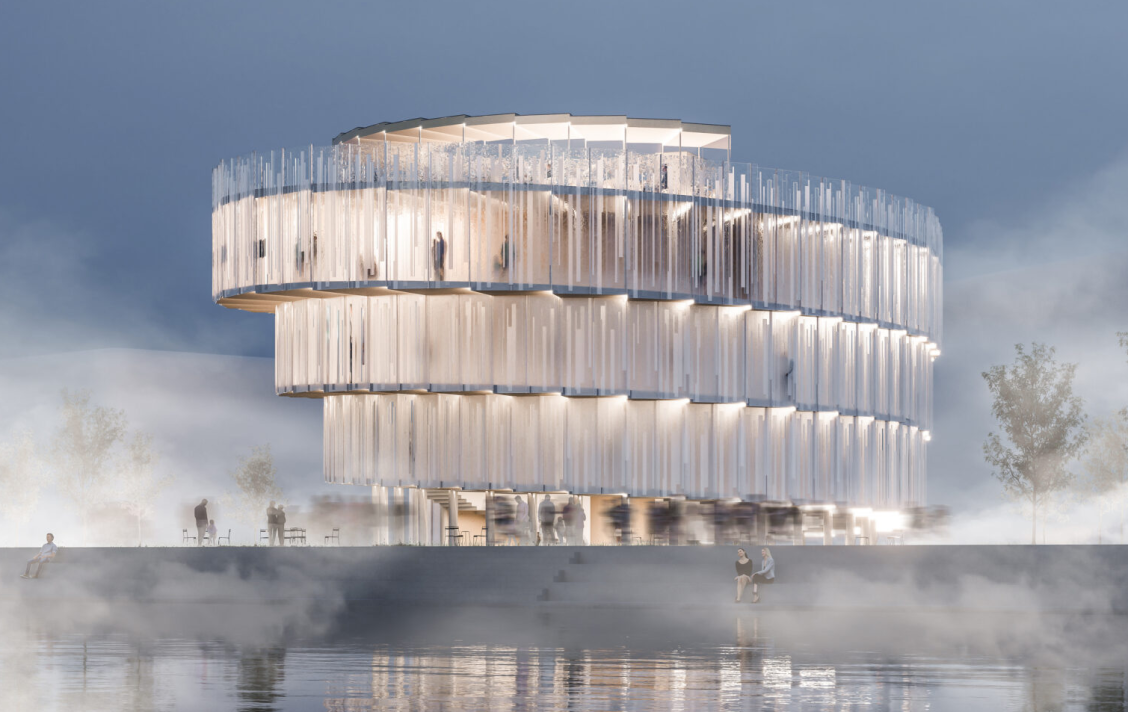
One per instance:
(594, 305)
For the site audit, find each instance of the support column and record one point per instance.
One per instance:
(849, 518)
(489, 519)
(444, 520)
(828, 528)
(452, 515)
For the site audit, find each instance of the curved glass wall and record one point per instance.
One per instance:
(591, 304)
(602, 346)
(618, 445)
(545, 216)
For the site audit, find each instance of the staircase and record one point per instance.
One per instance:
(442, 496)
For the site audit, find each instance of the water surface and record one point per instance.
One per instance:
(583, 660)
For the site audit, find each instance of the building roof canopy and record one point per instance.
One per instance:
(671, 134)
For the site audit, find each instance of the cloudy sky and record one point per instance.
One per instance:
(1008, 118)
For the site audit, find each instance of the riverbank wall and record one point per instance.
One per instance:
(1083, 579)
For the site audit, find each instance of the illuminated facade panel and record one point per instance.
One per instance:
(601, 346)
(653, 448)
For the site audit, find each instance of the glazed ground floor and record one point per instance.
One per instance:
(451, 517)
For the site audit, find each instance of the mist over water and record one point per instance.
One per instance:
(579, 661)
(1005, 119)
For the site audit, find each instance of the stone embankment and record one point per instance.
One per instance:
(981, 578)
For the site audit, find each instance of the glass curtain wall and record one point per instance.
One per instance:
(602, 346)
(617, 445)
(577, 220)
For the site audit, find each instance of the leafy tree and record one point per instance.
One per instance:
(137, 485)
(255, 480)
(83, 449)
(1106, 466)
(1042, 424)
(21, 479)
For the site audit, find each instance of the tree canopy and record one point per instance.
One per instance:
(1042, 425)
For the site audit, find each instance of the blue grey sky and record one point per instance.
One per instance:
(1008, 118)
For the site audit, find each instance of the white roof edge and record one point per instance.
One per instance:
(529, 120)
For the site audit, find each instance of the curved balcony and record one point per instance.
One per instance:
(368, 217)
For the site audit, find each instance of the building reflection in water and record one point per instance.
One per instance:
(748, 673)
(260, 677)
(755, 669)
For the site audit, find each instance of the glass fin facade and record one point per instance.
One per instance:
(590, 304)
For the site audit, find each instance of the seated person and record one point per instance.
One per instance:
(766, 574)
(743, 573)
(46, 553)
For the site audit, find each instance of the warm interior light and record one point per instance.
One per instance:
(888, 521)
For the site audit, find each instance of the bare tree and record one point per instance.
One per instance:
(1106, 466)
(21, 479)
(254, 478)
(137, 485)
(1042, 423)
(83, 448)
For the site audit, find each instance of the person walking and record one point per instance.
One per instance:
(766, 574)
(271, 523)
(568, 515)
(574, 518)
(546, 513)
(201, 513)
(621, 521)
(46, 553)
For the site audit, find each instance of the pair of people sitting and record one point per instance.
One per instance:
(745, 575)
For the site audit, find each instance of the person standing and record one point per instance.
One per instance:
(201, 513)
(438, 249)
(568, 514)
(546, 513)
(578, 526)
(271, 523)
(46, 553)
(280, 518)
(212, 531)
